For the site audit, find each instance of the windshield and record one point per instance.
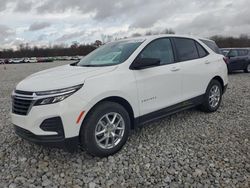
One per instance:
(111, 54)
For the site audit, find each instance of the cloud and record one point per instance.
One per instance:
(6, 32)
(23, 6)
(3, 5)
(70, 36)
(38, 26)
(88, 20)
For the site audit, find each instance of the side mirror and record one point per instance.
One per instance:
(143, 63)
(75, 63)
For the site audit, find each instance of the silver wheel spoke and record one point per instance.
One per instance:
(106, 142)
(119, 121)
(100, 132)
(107, 118)
(101, 123)
(114, 118)
(102, 139)
(113, 140)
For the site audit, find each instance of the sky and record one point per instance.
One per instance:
(56, 22)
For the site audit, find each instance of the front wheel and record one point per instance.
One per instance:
(213, 96)
(247, 70)
(105, 130)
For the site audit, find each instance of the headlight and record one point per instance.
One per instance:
(54, 96)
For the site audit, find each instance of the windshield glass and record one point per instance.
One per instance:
(111, 54)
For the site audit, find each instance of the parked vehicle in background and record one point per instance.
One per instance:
(44, 59)
(75, 58)
(30, 60)
(88, 104)
(224, 51)
(15, 60)
(237, 59)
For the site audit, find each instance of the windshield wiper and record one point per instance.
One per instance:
(89, 65)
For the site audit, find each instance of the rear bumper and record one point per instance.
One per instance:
(69, 144)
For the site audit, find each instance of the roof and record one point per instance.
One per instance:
(152, 37)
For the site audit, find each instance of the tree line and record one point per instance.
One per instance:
(83, 49)
(57, 50)
(231, 42)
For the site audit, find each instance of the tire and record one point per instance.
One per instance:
(247, 70)
(96, 127)
(208, 105)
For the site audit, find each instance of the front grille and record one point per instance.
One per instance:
(21, 106)
(23, 92)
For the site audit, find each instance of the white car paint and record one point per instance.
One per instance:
(145, 90)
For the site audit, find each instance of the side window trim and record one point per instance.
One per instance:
(173, 49)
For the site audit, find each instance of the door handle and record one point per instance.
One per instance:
(174, 69)
(207, 62)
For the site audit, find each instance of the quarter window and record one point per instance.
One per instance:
(202, 52)
(212, 45)
(159, 49)
(186, 49)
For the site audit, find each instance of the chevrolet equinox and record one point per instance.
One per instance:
(94, 103)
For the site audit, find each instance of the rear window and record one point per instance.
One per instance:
(186, 49)
(212, 45)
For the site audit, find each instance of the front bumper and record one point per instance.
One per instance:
(58, 141)
(63, 133)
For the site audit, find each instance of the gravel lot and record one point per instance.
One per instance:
(188, 149)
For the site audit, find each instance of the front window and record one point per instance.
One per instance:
(159, 49)
(111, 54)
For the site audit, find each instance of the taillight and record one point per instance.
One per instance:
(226, 60)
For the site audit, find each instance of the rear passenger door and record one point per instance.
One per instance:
(195, 67)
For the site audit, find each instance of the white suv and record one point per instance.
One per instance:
(94, 103)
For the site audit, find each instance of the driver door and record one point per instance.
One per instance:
(159, 86)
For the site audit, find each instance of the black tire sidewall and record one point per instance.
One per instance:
(206, 102)
(87, 134)
(246, 70)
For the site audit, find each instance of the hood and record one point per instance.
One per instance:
(60, 77)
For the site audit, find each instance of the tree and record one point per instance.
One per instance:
(98, 43)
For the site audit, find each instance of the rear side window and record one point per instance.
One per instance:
(212, 45)
(242, 52)
(186, 49)
(159, 49)
(202, 52)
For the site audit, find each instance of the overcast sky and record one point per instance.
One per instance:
(45, 22)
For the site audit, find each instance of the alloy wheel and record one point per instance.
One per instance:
(109, 130)
(214, 96)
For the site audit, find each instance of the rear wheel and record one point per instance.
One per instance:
(212, 97)
(247, 70)
(105, 129)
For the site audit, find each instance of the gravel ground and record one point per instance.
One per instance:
(188, 149)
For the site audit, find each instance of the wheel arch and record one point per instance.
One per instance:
(219, 79)
(123, 102)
